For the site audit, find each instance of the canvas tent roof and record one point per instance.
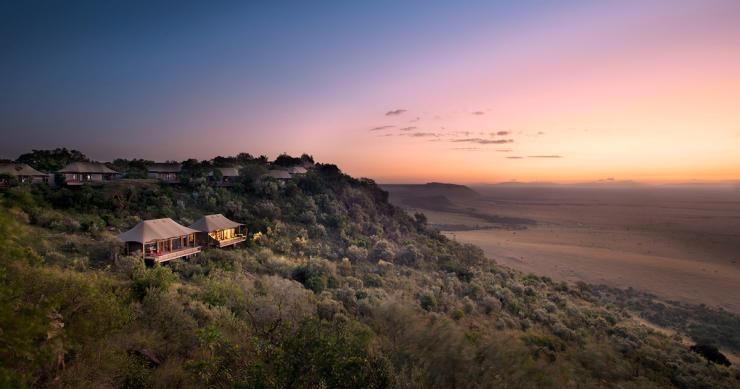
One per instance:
(19, 169)
(156, 229)
(229, 171)
(87, 167)
(164, 167)
(279, 174)
(216, 222)
(297, 170)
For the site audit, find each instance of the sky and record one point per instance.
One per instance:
(397, 91)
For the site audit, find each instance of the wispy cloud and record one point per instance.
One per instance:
(502, 133)
(540, 133)
(407, 128)
(545, 156)
(504, 150)
(482, 141)
(478, 113)
(514, 157)
(395, 112)
(467, 148)
(379, 128)
(421, 134)
(459, 133)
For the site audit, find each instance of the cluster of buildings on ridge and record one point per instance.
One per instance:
(80, 173)
(157, 240)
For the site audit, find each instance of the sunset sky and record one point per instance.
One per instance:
(397, 91)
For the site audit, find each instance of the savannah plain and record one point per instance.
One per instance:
(680, 243)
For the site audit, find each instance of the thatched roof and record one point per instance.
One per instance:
(216, 222)
(87, 167)
(164, 168)
(156, 229)
(19, 169)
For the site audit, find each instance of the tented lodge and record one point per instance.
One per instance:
(165, 172)
(228, 176)
(80, 173)
(160, 240)
(218, 231)
(20, 173)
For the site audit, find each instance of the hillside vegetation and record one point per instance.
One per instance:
(335, 288)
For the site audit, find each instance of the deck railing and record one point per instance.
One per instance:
(170, 255)
(229, 242)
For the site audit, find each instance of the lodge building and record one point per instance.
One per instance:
(218, 231)
(20, 173)
(165, 172)
(80, 173)
(160, 240)
(229, 176)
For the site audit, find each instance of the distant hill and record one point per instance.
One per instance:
(606, 183)
(402, 193)
(441, 197)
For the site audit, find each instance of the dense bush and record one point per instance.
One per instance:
(336, 288)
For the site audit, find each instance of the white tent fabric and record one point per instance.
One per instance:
(157, 229)
(216, 222)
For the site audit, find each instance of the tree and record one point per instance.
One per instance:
(306, 158)
(244, 158)
(224, 161)
(382, 249)
(409, 255)
(51, 160)
(421, 220)
(134, 168)
(711, 353)
(285, 160)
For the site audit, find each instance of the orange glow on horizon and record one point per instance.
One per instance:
(656, 104)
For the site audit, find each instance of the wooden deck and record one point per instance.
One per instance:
(232, 241)
(168, 256)
(86, 182)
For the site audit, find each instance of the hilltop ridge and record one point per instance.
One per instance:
(335, 287)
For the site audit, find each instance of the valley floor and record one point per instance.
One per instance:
(574, 254)
(678, 244)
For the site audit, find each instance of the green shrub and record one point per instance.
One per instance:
(428, 302)
(145, 279)
(458, 314)
(373, 281)
(315, 276)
